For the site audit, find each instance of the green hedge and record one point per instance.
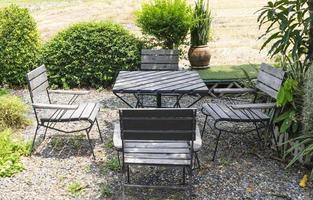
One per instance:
(90, 54)
(19, 45)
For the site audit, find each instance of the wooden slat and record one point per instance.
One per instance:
(264, 88)
(254, 106)
(39, 90)
(38, 81)
(160, 66)
(269, 80)
(156, 155)
(159, 59)
(156, 161)
(233, 90)
(157, 124)
(159, 51)
(279, 73)
(36, 72)
(153, 150)
(210, 111)
(164, 113)
(158, 135)
(150, 82)
(156, 144)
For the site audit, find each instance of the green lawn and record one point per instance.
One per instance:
(229, 72)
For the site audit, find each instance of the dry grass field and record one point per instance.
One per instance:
(235, 30)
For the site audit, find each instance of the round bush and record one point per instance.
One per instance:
(167, 20)
(19, 45)
(90, 54)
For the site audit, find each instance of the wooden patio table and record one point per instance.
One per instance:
(160, 83)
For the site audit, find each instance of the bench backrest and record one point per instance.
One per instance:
(159, 59)
(158, 124)
(38, 83)
(270, 80)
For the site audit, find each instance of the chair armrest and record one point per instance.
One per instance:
(70, 92)
(254, 106)
(54, 106)
(234, 90)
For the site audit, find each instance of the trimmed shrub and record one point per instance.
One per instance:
(19, 45)
(12, 111)
(167, 20)
(10, 153)
(90, 54)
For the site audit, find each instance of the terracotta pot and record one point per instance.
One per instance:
(199, 56)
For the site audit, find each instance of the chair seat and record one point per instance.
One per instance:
(85, 111)
(224, 112)
(117, 141)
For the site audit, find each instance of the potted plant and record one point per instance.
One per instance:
(199, 54)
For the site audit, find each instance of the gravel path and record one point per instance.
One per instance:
(243, 169)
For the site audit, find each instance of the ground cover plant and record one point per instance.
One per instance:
(19, 45)
(90, 54)
(11, 150)
(12, 146)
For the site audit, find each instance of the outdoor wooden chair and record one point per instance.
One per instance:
(269, 82)
(158, 60)
(157, 137)
(48, 114)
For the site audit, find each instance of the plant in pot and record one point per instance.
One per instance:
(168, 21)
(199, 55)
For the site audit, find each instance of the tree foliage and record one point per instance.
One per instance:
(19, 45)
(167, 20)
(90, 54)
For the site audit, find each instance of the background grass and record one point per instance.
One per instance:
(229, 72)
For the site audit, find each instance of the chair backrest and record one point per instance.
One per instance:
(38, 83)
(159, 59)
(270, 80)
(158, 124)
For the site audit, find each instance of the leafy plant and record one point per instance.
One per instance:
(289, 34)
(305, 141)
(12, 111)
(3, 91)
(167, 20)
(75, 188)
(10, 153)
(200, 31)
(289, 28)
(106, 190)
(90, 54)
(19, 45)
(110, 165)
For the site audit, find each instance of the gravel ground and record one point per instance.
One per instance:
(243, 169)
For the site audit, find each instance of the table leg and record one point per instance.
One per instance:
(123, 100)
(159, 100)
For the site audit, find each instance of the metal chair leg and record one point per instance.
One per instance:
(275, 140)
(205, 121)
(190, 183)
(197, 160)
(215, 150)
(99, 130)
(90, 144)
(33, 143)
(44, 135)
(128, 178)
(118, 158)
(184, 175)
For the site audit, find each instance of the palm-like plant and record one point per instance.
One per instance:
(200, 32)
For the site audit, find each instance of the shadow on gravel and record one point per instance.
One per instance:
(64, 146)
